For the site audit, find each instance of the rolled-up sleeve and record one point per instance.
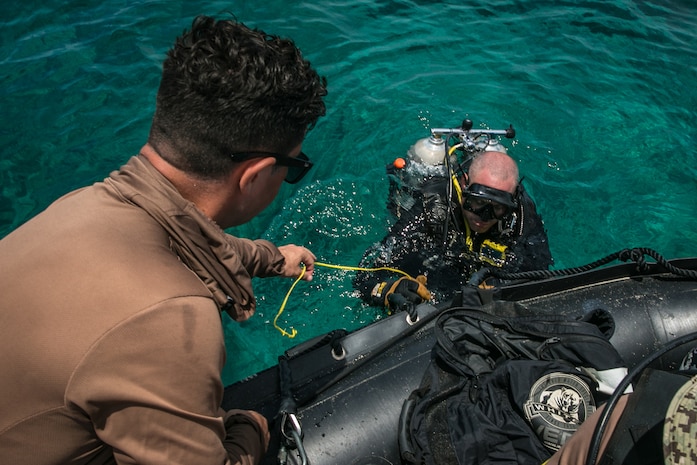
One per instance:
(260, 257)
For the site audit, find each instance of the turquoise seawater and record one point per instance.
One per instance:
(602, 94)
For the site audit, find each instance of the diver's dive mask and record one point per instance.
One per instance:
(489, 203)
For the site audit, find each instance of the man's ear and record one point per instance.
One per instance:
(251, 171)
(465, 180)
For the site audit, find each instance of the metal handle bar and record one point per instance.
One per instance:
(439, 132)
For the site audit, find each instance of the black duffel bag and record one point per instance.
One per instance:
(507, 390)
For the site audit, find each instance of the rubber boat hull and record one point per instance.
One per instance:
(349, 389)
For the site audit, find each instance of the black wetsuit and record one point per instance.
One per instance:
(421, 241)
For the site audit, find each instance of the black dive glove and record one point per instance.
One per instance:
(393, 294)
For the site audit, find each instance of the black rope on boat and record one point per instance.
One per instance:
(636, 255)
(663, 262)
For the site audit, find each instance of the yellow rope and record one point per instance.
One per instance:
(293, 331)
(357, 268)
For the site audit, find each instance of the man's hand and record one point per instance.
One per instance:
(295, 255)
(413, 291)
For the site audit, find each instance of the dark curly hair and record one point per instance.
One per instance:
(227, 88)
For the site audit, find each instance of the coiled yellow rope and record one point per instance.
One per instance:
(293, 332)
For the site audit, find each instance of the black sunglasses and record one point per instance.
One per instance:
(297, 167)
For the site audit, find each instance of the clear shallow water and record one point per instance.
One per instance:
(602, 95)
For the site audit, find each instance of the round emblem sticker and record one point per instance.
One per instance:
(557, 405)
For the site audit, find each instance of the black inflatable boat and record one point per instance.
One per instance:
(345, 390)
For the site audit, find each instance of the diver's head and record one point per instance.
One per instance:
(490, 190)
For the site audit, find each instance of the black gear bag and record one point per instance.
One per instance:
(507, 390)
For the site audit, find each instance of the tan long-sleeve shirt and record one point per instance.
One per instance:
(111, 339)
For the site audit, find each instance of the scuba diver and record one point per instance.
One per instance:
(450, 225)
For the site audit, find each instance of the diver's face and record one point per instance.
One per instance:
(475, 221)
(476, 224)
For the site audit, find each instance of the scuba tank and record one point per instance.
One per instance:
(428, 151)
(424, 161)
(434, 159)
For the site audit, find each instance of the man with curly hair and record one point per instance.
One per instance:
(112, 342)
